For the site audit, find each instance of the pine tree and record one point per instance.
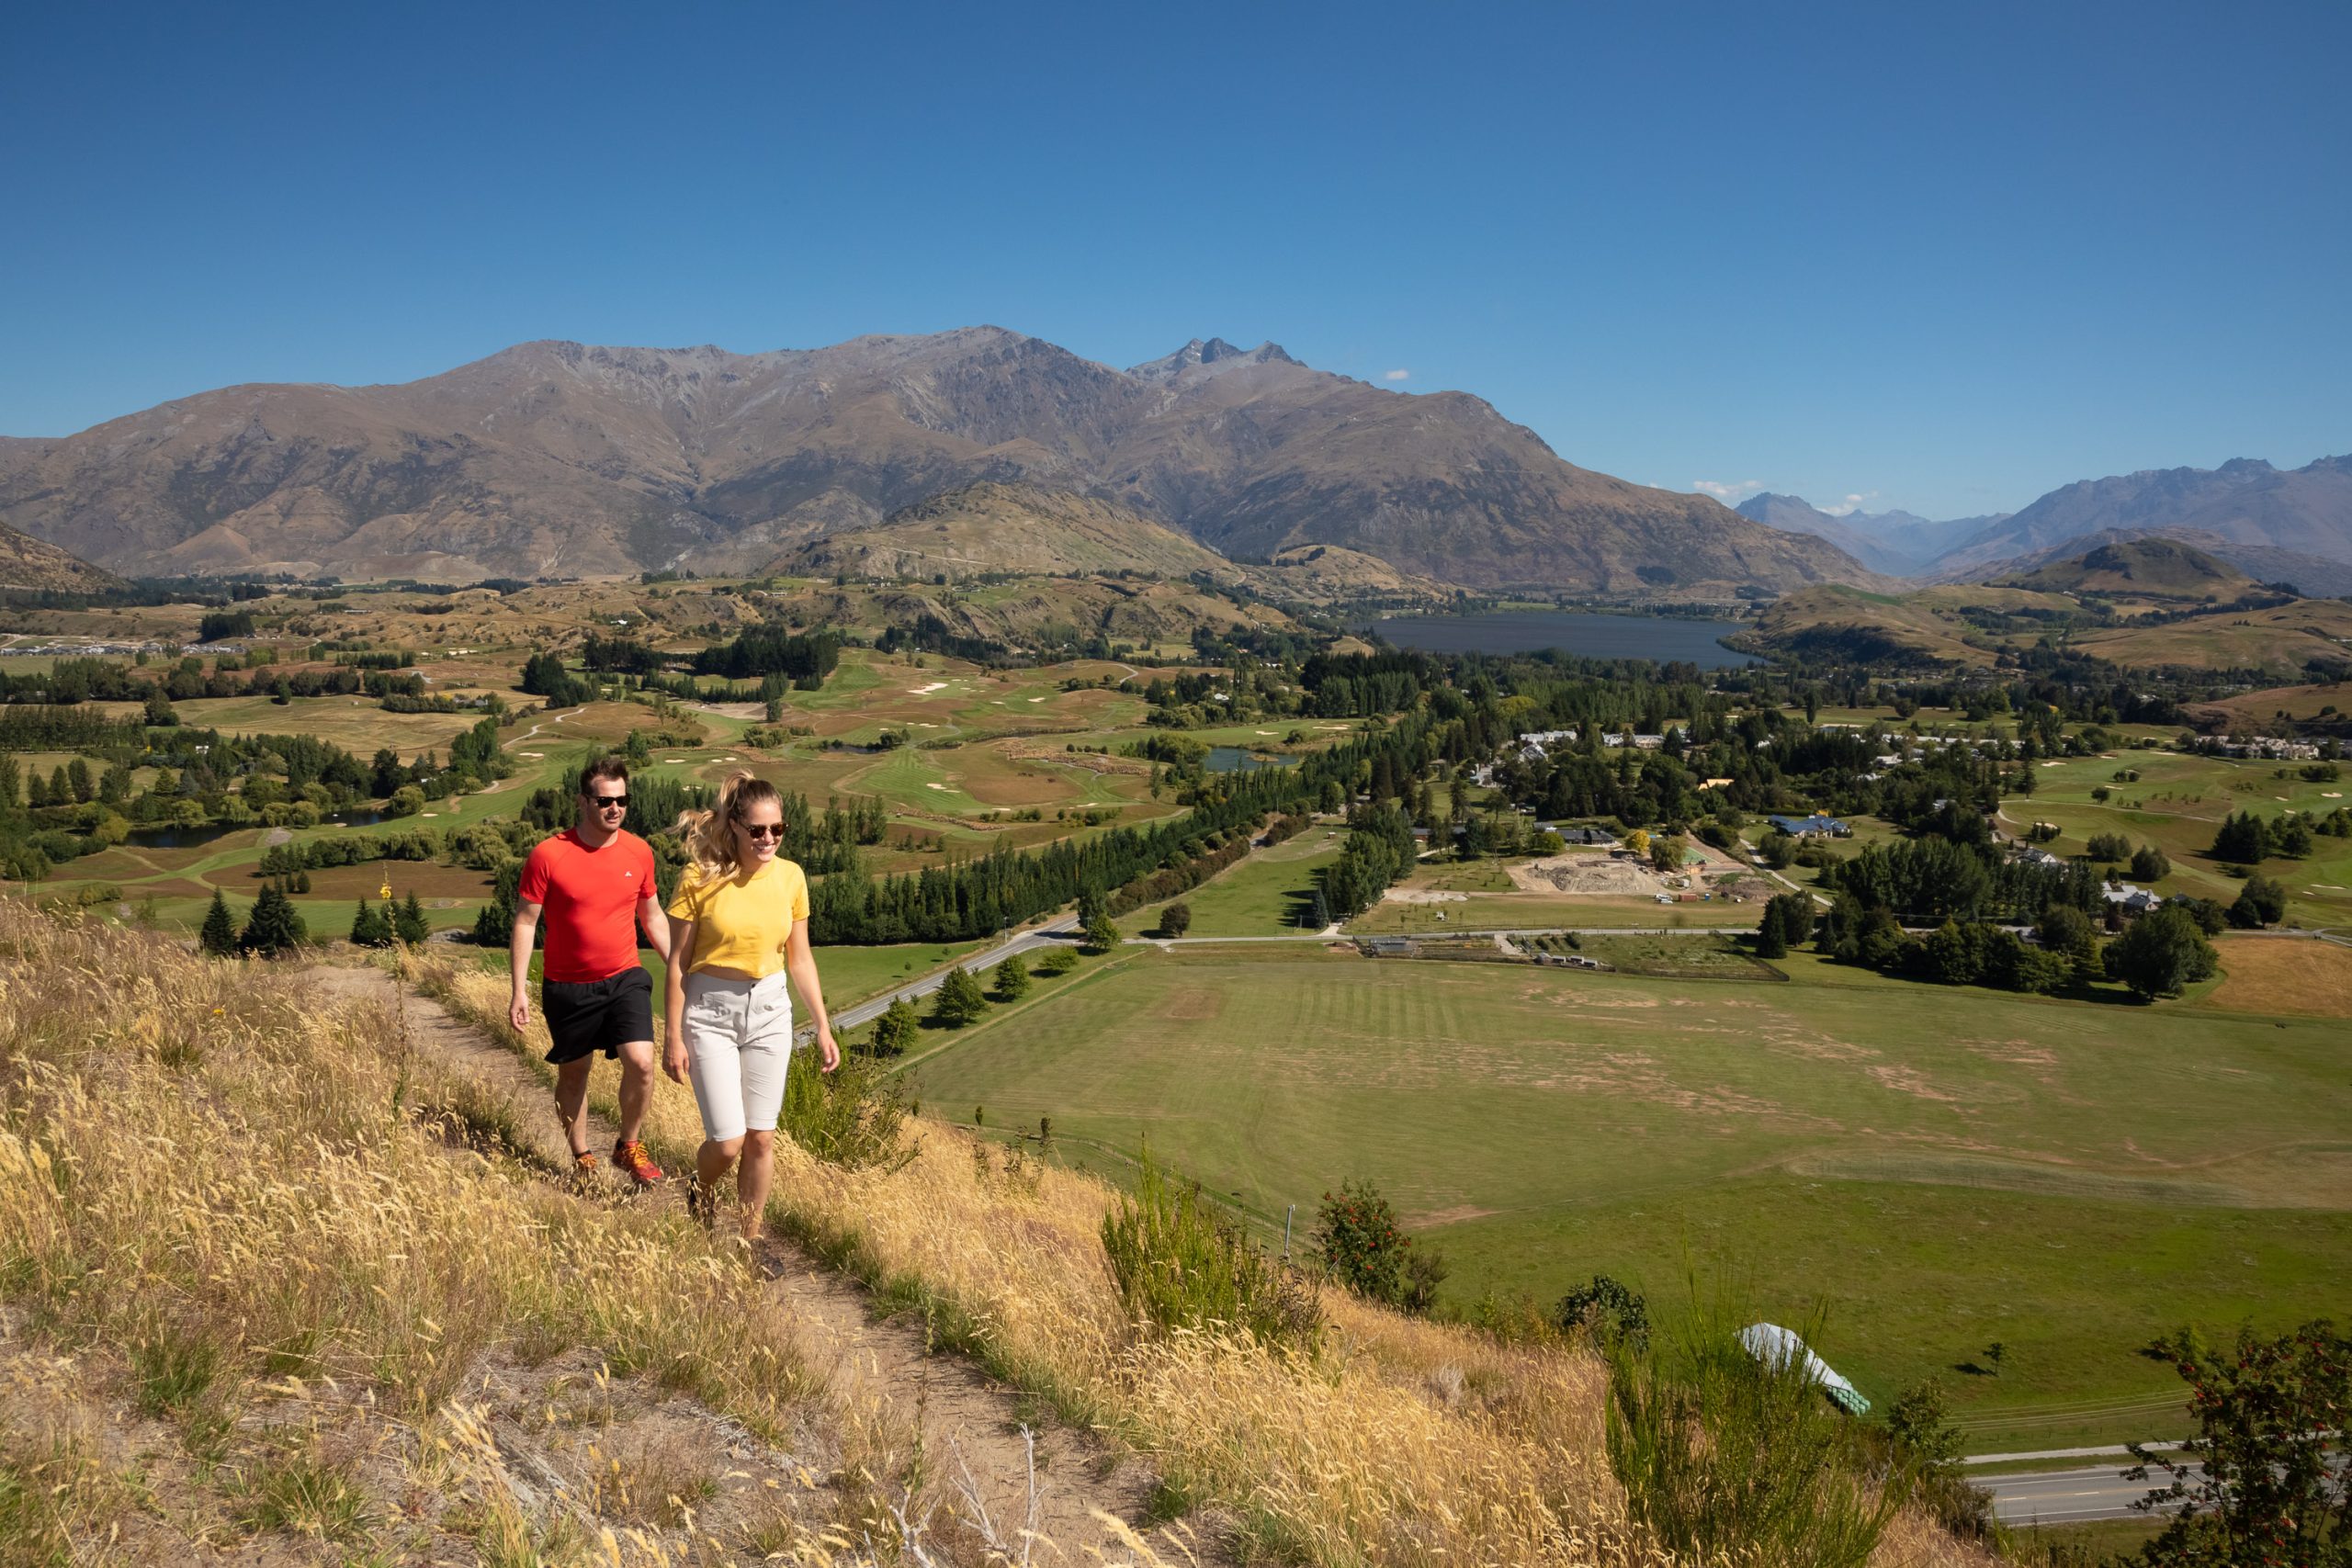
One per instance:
(275, 926)
(370, 927)
(1012, 979)
(960, 998)
(1101, 934)
(218, 936)
(410, 924)
(897, 1029)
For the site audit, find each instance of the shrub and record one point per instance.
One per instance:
(2150, 863)
(1012, 981)
(1606, 1310)
(849, 1117)
(2256, 1482)
(1361, 1242)
(1058, 961)
(1181, 1264)
(1176, 920)
(1922, 1441)
(1726, 1458)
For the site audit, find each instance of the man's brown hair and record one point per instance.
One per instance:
(604, 767)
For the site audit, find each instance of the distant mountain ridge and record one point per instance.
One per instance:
(1898, 544)
(2304, 512)
(560, 458)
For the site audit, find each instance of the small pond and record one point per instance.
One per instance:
(1234, 760)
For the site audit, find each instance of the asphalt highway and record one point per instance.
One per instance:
(1059, 934)
(2066, 1496)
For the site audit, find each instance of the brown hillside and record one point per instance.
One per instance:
(27, 562)
(998, 527)
(555, 459)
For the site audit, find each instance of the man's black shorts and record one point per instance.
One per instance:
(587, 1016)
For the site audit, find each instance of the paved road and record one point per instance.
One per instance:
(1059, 933)
(1333, 935)
(2073, 1496)
(2066, 1496)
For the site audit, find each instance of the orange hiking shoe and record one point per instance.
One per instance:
(584, 1164)
(630, 1156)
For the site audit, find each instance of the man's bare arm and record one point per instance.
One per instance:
(518, 962)
(657, 926)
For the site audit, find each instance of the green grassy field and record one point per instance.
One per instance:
(1266, 894)
(1940, 1168)
(2176, 804)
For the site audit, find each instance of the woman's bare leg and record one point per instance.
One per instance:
(751, 1181)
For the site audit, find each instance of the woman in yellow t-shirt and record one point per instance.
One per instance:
(739, 927)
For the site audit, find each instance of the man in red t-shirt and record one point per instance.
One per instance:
(594, 881)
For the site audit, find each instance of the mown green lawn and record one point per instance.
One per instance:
(1940, 1167)
(1266, 894)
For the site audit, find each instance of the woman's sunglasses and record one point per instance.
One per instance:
(763, 830)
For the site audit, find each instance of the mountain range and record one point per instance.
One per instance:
(559, 458)
(2274, 524)
(1899, 543)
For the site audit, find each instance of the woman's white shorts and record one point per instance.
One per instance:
(738, 1042)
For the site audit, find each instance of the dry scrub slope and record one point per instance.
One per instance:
(286, 1264)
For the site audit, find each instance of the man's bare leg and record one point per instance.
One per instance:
(571, 1103)
(637, 1087)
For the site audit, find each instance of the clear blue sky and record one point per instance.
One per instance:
(1942, 258)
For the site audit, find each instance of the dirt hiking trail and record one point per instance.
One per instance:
(988, 1487)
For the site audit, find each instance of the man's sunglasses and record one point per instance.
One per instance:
(763, 830)
(610, 802)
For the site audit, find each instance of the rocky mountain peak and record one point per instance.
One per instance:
(1213, 357)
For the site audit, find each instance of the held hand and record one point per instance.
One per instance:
(674, 1059)
(518, 1012)
(827, 1051)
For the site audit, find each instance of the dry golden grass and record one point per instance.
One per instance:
(1399, 1442)
(2284, 975)
(289, 1288)
(236, 1213)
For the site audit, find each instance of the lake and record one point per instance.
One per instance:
(1664, 639)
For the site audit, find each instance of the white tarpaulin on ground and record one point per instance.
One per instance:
(1776, 1347)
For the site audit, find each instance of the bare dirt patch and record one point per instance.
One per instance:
(1609, 874)
(1460, 1214)
(1192, 1004)
(2283, 975)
